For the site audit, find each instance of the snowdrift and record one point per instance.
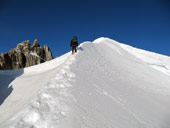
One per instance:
(105, 85)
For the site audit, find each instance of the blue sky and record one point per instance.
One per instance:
(143, 24)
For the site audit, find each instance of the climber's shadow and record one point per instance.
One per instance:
(80, 48)
(6, 87)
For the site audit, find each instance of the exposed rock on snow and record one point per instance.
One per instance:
(22, 56)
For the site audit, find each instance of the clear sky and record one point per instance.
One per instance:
(143, 24)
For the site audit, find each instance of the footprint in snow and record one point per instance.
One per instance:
(31, 117)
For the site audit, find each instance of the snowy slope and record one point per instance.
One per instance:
(105, 85)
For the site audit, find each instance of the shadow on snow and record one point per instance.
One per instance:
(6, 78)
(80, 48)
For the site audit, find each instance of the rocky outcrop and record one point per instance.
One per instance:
(48, 54)
(25, 55)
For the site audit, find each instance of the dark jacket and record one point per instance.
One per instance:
(74, 42)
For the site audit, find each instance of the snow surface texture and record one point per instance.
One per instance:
(105, 85)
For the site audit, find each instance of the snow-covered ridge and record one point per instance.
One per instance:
(49, 65)
(105, 85)
(155, 60)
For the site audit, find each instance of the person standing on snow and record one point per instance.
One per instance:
(74, 44)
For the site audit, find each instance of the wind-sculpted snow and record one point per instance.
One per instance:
(50, 107)
(19, 86)
(157, 61)
(105, 85)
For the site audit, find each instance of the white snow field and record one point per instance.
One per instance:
(105, 85)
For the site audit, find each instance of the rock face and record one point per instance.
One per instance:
(25, 55)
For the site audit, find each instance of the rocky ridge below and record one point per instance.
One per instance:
(25, 55)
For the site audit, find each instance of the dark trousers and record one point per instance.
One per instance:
(74, 48)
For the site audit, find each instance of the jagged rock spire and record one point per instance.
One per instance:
(35, 43)
(48, 53)
(25, 55)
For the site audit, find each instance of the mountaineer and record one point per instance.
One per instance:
(74, 44)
